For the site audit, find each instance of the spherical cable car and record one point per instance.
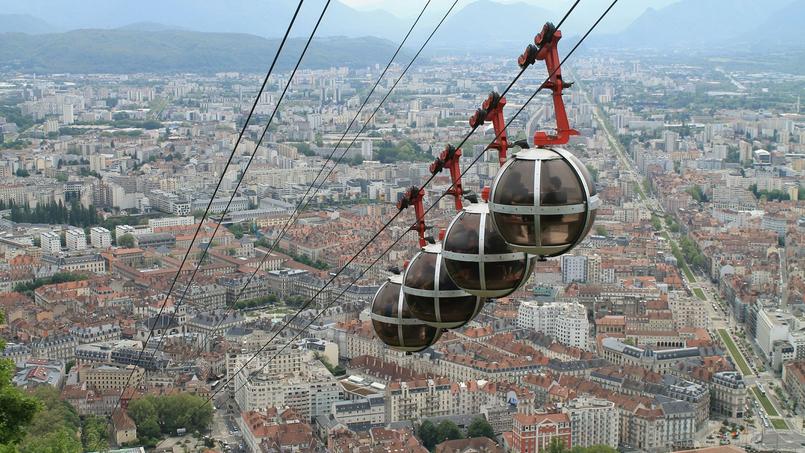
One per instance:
(393, 322)
(543, 201)
(478, 259)
(431, 294)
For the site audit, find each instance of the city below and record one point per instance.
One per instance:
(168, 285)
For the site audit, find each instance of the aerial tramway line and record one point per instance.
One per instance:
(555, 213)
(541, 204)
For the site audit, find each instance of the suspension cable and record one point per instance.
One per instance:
(299, 207)
(251, 158)
(477, 158)
(209, 204)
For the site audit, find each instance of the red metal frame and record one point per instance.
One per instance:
(450, 158)
(492, 109)
(545, 48)
(414, 197)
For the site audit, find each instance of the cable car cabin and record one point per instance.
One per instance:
(432, 296)
(543, 201)
(393, 322)
(477, 258)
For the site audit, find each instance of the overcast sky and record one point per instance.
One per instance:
(628, 10)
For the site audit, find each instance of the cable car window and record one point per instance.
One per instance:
(421, 271)
(464, 273)
(424, 307)
(387, 300)
(559, 184)
(517, 229)
(457, 309)
(561, 229)
(388, 333)
(466, 238)
(516, 185)
(504, 274)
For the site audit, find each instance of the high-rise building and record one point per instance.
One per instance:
(76, 239)
(593, 269)
(50, 242)
(574, 268)
(566, 322)
(670, 138)
(593, 421)
(366, 150)
(100, 237)
(67, 114)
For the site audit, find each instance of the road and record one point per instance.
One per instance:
(719, 316)
(224, 425)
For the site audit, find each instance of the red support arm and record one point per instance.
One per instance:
(492, 109)
(545, 48)
(414, 197)
(449, 158)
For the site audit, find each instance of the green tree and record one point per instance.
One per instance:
(56, 413)
(697, 193)
(448, 430)
(480, 428)
(17, 409)
(94, 434)
(164, 414)
(127, 240)
(556, 446)
(60, 440)
(236, 229)
(22, 173)
(656, 223)
(429, 434)
(601, 231)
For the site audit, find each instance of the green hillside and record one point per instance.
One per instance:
(128, 51)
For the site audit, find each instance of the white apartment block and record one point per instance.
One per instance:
(50, 242)
(100, 238)
(415, 400)
(76, 239)
(574, 268)
(311, 393)
(120, 230)
(772, 325)
(566, 322)
(593, 421)
(163, 222)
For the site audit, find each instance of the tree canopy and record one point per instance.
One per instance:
(163, 415)
(480, 428)
(126, 240)
(17, 409)
(53, 213)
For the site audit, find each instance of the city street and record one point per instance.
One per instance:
(720, 323)
(224, 426)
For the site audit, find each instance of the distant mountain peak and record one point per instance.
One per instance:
(150, 26)
(24, 23)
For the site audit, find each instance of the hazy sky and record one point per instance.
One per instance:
(628, 10)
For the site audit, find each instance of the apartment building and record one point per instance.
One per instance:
(566, 322)
(593, 421)
(100, 238)
(533, 433)
(111, 377)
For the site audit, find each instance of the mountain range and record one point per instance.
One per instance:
(187, 35)
(131, 50)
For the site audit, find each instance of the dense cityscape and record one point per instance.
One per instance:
(132, 321)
